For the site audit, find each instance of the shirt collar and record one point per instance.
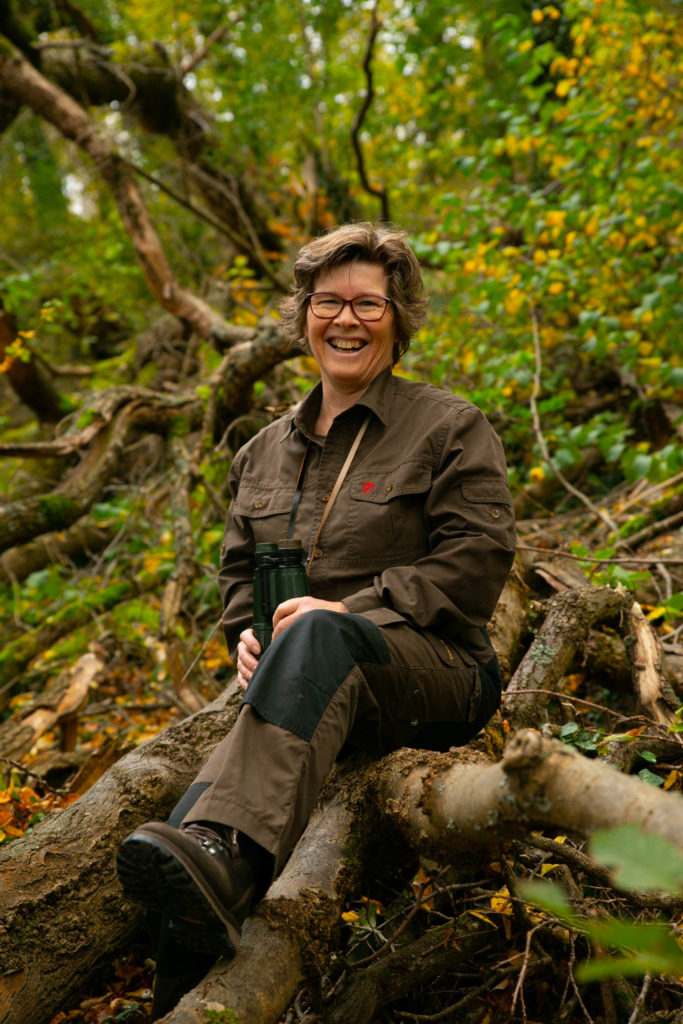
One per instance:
(377, 399)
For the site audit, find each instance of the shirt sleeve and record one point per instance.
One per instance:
(235, 577)
(453, 590)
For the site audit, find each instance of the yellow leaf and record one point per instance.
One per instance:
(350, 916)
(562, 88)
(672, 778)
(545, 868)
(482, 917)
(500, 902)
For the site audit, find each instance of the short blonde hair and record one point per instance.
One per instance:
(384, 245)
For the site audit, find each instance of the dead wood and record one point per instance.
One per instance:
(181, 578)
(15, 656)
(570, 616)
(465, 801)
(83, 538)
(510, 622)
(120, 413)
(50, 102)
(290, 930)
(59, 705)
(62, 912)
(604, 659)
(645, 652)
(396, 975)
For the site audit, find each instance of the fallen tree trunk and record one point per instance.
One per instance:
(290, 929)
(449, 806)
(570, 616)
(63, 912)
(61, 908)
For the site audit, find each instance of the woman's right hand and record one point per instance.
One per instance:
(247, 650)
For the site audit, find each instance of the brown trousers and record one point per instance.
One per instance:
(329, 680)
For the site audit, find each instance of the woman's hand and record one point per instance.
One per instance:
(287, 612)
(247, 650)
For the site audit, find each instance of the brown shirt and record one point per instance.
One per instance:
(422, 529)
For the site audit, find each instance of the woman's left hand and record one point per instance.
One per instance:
(290, 610)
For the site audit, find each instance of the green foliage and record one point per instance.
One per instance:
(644, 862)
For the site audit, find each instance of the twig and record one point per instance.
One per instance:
(198, 56)
(555, 553)
(239, 240)
(607, 520)
(401, 928)
(579, 862)
(652, 530)
(572, 979)
(473, 994)
(642, 996)
(519, 987)
(26, 770)
(380, 193)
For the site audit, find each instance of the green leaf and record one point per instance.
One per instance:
(654, 950)
(650, 777)
(640, 861)
(550, 897)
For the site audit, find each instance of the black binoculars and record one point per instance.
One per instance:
(280, 573)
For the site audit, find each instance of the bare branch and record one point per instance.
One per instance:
(380, 193)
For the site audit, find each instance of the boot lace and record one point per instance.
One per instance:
(213, 840)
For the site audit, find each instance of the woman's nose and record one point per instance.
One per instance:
(346, 314)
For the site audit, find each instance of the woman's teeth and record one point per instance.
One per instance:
(346, 346)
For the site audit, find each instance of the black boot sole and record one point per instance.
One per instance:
(154, 876)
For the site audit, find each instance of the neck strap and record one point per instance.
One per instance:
(333, 495)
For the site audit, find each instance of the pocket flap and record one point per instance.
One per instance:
(257, 500)
(486, 490)
(382, 485)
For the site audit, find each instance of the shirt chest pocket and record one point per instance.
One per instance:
(266, 508)
(387, 512)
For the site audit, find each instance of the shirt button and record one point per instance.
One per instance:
(258, 504)
(495, 513)
(389, 486)
(318, 553)
(324, 497)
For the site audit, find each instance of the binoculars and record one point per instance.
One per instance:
(279, 574)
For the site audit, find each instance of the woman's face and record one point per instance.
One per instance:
(351, 352)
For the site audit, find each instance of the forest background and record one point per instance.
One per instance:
(160, 168)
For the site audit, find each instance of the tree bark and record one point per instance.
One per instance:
(290, 930)
(119, 413)
(459, 801)
(61, 906)
(570, 617)
(63, 912)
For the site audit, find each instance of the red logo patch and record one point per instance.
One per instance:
(368, 486)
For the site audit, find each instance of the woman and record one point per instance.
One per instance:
(389, 649)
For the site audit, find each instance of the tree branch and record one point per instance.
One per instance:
(380, 193)
(59, 109)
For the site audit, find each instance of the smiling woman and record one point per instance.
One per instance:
(399, 494)
(349, 349)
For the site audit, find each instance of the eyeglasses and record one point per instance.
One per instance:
(327, 305)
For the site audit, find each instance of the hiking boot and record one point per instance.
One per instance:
(196, 876)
